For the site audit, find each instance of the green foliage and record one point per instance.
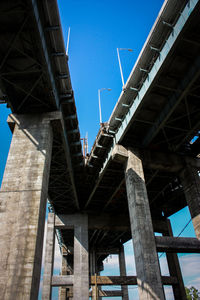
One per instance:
(192, 293)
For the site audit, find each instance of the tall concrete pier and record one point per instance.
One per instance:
(23, 197)
(143, 166)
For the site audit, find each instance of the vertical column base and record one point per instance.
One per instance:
(81, 265)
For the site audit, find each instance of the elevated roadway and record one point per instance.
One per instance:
(157, 113)
(35, 79)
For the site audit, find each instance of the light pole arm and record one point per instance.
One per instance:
(100, 117)
(120, 67)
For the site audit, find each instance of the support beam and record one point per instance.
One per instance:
(49, 258)
(122, 268)
(110, 293)
(191, 187)
(106, 222)
(100, 251)
(177, 244)
(23, 205)
(103, 293)
(107, 280)
(146, 259)
(63, 280)
(126, 280)
(167, 162)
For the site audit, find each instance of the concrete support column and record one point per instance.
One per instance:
(49, 258)
(23, 205)
(191, 186)
(64, 292)
(93, 272)
(99, 289)
(81, 265)
(146, 258)
(122, 268)
(174, 269)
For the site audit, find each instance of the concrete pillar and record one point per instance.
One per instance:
(64, 292)
(81, 265)
(190, 181)
(146, 258)
(49, 258)
(22, 207)
(174, 269)
(122, 268)
(99, 288)
(93, 272)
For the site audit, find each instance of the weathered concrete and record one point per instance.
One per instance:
(146, 259)
(126, 280)
(81, 264)
(190, 181)
(64, 292)
(62, 280)
(177, 244)
(119, 222)
(122, 268)
(49, 258)
(174, 269)
(167, 162)
(93, 271)
(103, 293)
(22, 207)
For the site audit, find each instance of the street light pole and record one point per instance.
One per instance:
(99, 96)
(67, 49)
(120, 66)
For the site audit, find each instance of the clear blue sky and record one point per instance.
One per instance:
(98, 27)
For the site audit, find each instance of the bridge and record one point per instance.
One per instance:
(143, 166)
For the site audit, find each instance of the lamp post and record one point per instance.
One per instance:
(120, 66)
(99, 96)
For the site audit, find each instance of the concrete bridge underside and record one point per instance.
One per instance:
(143, 167)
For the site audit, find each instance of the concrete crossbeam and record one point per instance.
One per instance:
(104, 221)
(68, 280)
(126, 280)
(62, 280)
(167, 162)
(177, 244)
(102, 293)
(100, 251)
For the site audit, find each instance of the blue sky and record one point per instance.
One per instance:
(97, 29)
